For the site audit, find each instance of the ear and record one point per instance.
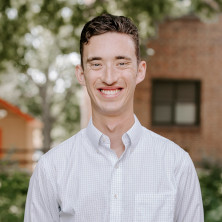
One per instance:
(80, 75)
(141, 73)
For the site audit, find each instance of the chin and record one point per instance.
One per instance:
(112, 108)
(114, 111)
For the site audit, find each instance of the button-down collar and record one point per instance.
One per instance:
(130, 138)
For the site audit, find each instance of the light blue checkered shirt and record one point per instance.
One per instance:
(82, 180)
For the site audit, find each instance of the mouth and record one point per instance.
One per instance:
(110, 92)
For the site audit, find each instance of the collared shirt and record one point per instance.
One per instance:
(82, 180)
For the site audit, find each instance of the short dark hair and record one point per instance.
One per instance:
(109, 23)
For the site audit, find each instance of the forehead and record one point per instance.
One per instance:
(110, 44)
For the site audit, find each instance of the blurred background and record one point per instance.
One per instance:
(41, 103)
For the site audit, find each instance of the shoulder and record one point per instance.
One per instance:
(165, 149)
(161, 143)
(61, 153)
(174, 159)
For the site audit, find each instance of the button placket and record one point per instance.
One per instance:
(116, 194)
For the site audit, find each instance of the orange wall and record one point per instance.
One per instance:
(13, 131)
(16, 138)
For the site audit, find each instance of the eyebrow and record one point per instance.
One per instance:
(123, 57)
(93, 58)
(90, 59)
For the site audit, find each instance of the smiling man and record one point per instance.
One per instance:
(114, 170)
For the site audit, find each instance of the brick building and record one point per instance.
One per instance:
(181, 97)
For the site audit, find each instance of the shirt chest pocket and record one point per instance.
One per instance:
(158, 207)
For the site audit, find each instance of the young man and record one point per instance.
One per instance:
(114, 170)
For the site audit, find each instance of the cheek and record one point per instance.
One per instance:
(130, 77)
(90, 82)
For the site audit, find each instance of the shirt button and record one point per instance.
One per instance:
(117, 166)
(115, 196)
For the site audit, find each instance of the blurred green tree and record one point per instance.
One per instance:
(13, 190)
(211, 188)
(38, 45)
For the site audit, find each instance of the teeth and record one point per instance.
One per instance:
(110, 92)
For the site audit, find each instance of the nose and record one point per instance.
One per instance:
(109, 76)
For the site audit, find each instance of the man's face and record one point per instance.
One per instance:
(111, 73)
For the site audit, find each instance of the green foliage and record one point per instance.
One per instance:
(13, 190)
(206, 8)
(211, 187)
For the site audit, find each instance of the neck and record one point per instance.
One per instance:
(114, 127)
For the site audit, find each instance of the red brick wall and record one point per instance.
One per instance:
(186, 48)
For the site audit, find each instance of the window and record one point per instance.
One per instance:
(175, 102)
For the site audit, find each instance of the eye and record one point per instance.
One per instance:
(122, 64)
(96, 65)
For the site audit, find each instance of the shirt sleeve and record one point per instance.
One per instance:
(41, 204)
(189, 200)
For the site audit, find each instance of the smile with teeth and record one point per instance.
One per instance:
(109, 92)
